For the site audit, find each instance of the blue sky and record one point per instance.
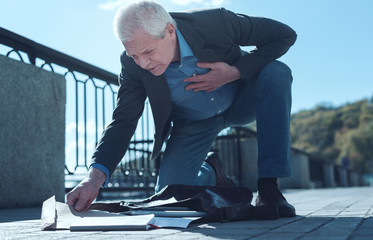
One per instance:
(331, 60)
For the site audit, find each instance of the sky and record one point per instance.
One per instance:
(331, 60)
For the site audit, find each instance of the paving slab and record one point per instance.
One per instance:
(333, 214)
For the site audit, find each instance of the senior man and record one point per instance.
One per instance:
(199, 81)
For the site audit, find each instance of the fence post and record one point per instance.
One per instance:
(301, 173)
(354, 178)
(343, 177)
(329, 175)
(249, 156)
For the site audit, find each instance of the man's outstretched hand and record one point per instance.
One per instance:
(220, 73)
(81, 197)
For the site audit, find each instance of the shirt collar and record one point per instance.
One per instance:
(185, 50)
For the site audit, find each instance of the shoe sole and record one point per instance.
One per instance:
(286, 212)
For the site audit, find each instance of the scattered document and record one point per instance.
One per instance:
(58, 216)
(167, 213)
(168, 222)
(140, 222)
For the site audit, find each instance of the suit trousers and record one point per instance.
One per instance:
(266, 99)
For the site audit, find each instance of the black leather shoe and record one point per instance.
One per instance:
(221, 180)
(272, 197)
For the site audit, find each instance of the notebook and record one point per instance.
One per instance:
(140, 222)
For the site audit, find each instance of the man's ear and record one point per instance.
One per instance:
(170, 29)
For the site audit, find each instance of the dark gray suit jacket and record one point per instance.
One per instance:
(214, 36)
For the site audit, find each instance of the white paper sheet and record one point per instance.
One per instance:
(141, 222)
(167, 222)
(167, 213)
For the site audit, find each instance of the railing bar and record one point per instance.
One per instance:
(96, 115)
(19, 55)
(114, 104)
(76, 123)
(147, 136)
(147, 124)
(50, 65)
(85, 124)
(103, 108)
(143, 168)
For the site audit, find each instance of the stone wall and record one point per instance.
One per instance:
(32, 136)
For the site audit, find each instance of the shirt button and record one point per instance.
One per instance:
(219, 111)
(212, 99)
(180, 65)
(194, 74)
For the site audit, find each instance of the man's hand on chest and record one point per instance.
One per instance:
(220, 73)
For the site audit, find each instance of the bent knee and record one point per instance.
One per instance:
(277, 74)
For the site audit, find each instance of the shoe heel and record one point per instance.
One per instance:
(264, 213)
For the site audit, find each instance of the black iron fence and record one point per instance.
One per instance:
(91, 98)
(316, 172)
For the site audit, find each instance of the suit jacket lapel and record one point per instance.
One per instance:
(196, 42)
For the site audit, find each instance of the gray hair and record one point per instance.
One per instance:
(149, 15)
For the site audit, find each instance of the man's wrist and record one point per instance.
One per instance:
(97, 176)
(104, 170)
(235, 73)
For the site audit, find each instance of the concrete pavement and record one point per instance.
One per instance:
(338, 213)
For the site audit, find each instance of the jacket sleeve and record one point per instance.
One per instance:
(271, 38)
(130, 104)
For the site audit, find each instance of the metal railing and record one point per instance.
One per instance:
(90, 100)
(323, 172)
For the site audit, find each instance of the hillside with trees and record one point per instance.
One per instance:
(337, 132)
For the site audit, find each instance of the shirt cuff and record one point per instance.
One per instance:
(105, 170)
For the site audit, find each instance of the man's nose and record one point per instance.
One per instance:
(144, 62)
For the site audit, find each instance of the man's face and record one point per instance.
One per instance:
(153, 54)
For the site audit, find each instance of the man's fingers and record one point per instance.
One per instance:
(198, 86)
(82, 203)
(80, 198)
(210, 90)
(73, 197)
(203, 89)
(205, 65)
(189, 87)
(196, 78)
